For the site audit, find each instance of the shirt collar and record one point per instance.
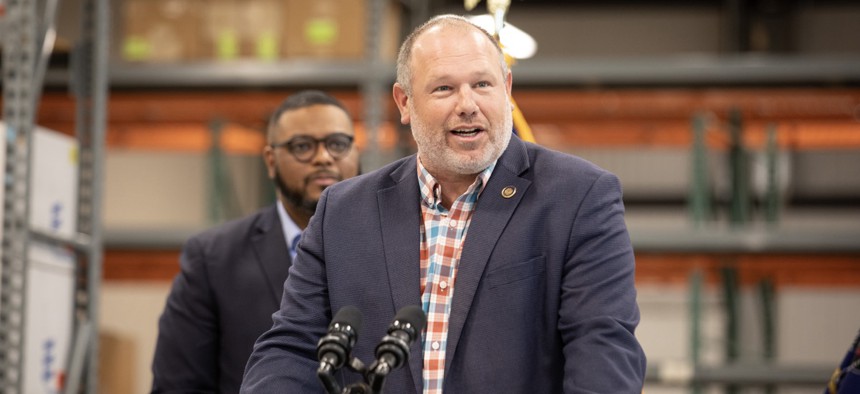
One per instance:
(291, 229)
(431, 190)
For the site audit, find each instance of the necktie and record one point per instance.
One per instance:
(294, 245)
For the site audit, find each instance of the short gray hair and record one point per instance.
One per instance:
(404, 56)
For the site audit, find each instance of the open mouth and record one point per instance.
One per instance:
(467, 132)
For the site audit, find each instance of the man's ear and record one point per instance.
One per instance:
(402, 100)
(269, 161)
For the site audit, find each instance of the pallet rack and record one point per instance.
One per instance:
(27, 43)
(22, 82)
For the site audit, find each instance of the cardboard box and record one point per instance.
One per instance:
(49, 318)
(53, 182)
(260, 30)
(335, 29)
(220, 30)
(242, 29)
(325, 28)
(49, 295)
(117, 356)
(161, 30)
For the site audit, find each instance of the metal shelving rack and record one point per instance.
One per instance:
(19, 54)
(372, 84)
(734, 70)
(23, 69)
(372, 77)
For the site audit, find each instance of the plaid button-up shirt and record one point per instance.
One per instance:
(443, 232)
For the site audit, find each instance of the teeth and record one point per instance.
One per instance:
(466, 131)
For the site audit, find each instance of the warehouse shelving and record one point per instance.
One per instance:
(373, 75)
(23, 67)
(18, 91)
(753, 69)
(372, 78)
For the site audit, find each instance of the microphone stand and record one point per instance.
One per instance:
(376, 376)
(391, 353)
(325, 373)
(356, 365)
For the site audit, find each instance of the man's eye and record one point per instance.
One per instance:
(482, 84)
(338, 145)
(301, 146)
(443, 88)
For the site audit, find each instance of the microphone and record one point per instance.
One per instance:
(334, 348)
(393, 351)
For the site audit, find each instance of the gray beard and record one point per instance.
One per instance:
(438, 156)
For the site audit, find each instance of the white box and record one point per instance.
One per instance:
(48, 320)
(53, 184)
(49, 300)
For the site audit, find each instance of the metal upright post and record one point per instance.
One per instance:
(19, 64)
(696, 284)
(731, 303)
(766, 294)
(374, 110)
(91, 91)
(737, 26)
(772, 195)
(700, 205)
(419, 12)
(223, 201)
(738, 172)
(218, 190)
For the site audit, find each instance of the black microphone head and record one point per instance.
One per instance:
(347, 316)
(334, 348)
(393, 351)
(412, 315)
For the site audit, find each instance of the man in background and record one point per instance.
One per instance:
(518, 255)
(232, 276)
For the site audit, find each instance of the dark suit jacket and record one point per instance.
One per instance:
(230, 283)
(544, 300)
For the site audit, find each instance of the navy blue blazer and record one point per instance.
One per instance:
(544, 300)
(230, 283)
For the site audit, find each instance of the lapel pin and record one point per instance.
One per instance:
(509, 191)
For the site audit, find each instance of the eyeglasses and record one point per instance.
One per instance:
(304, 147)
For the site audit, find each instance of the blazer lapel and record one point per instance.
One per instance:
(271, 250)
(400, 218)
(494, 209)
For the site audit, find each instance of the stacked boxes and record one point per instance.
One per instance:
(242, 29)
(326, 29)
(161, 30)
(51, 270)
(171, 31)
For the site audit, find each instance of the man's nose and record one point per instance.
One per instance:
(322, 155)
(466, 105)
